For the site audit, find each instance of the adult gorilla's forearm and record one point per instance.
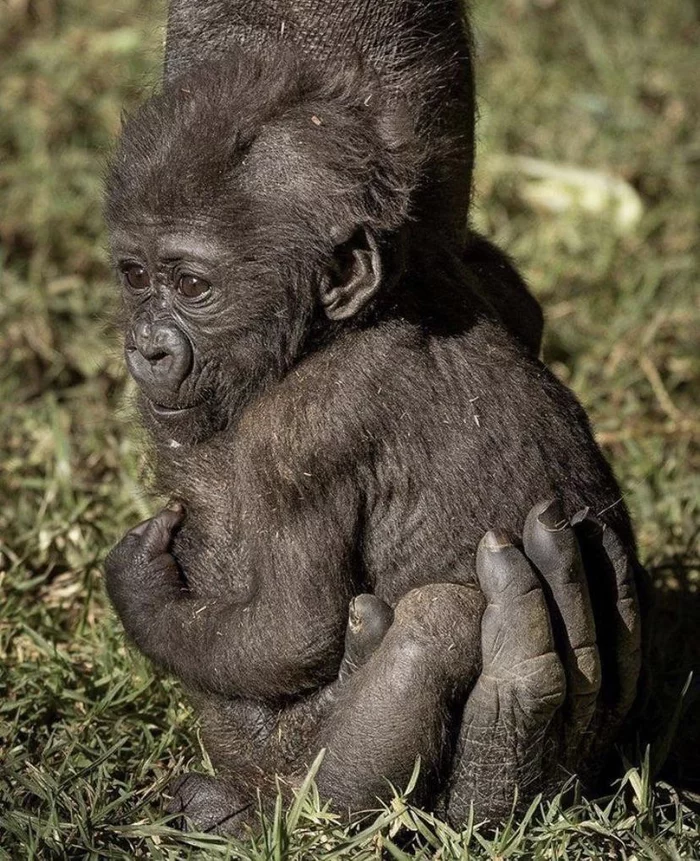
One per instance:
(324, 29)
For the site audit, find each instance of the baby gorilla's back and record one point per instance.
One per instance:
(470, 432)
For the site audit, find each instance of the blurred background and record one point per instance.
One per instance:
(588, 172)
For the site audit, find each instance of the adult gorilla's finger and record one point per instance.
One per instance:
(503, 740)
(551, 545)
(516, 634)
(617, 613)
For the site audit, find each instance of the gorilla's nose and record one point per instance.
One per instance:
(159, 357)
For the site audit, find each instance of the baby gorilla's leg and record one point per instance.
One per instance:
(210, 804)
(399, 705)
(400, 675)
(251, 744)
(240, 739)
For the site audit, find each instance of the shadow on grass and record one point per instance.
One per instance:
(675, 667)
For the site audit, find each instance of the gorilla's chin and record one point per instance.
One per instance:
(184, 424)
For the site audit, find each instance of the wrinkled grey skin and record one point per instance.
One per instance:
(509, 683)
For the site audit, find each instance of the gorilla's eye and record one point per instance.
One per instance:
(136, 276)
(192, 287)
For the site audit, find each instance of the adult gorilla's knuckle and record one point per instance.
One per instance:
(533, 616)
(517, 633)
(540, 683)
(589, 674)
(628, 612)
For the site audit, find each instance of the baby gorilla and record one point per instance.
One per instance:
(339, 412)
(532, 711)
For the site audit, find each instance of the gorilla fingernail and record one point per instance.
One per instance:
(553, 517)
(496, 540)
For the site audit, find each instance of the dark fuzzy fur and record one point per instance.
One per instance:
(323, 460)
(228, 126)
(415, 49)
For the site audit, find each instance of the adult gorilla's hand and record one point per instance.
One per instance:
(561, 643)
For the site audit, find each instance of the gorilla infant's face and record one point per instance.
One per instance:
(244, 210)
(205, 322)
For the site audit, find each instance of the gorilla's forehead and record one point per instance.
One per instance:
(241, 147)
(160, 239)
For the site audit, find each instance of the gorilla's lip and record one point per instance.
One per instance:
(165, 412)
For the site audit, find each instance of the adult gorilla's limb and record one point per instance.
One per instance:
(561, 662)
(421, 51)
(397, 707)
(383, 34)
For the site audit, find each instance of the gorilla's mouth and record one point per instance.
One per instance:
(165, 412)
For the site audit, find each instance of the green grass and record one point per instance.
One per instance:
(88, 734)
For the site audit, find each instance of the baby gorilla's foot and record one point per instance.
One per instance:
(369, 620)
(207, 804)
(395, 709)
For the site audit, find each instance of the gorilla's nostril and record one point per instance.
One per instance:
(159, 358)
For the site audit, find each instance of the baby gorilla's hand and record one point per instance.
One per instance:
(140, 572)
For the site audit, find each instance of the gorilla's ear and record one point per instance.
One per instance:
(354, 277)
